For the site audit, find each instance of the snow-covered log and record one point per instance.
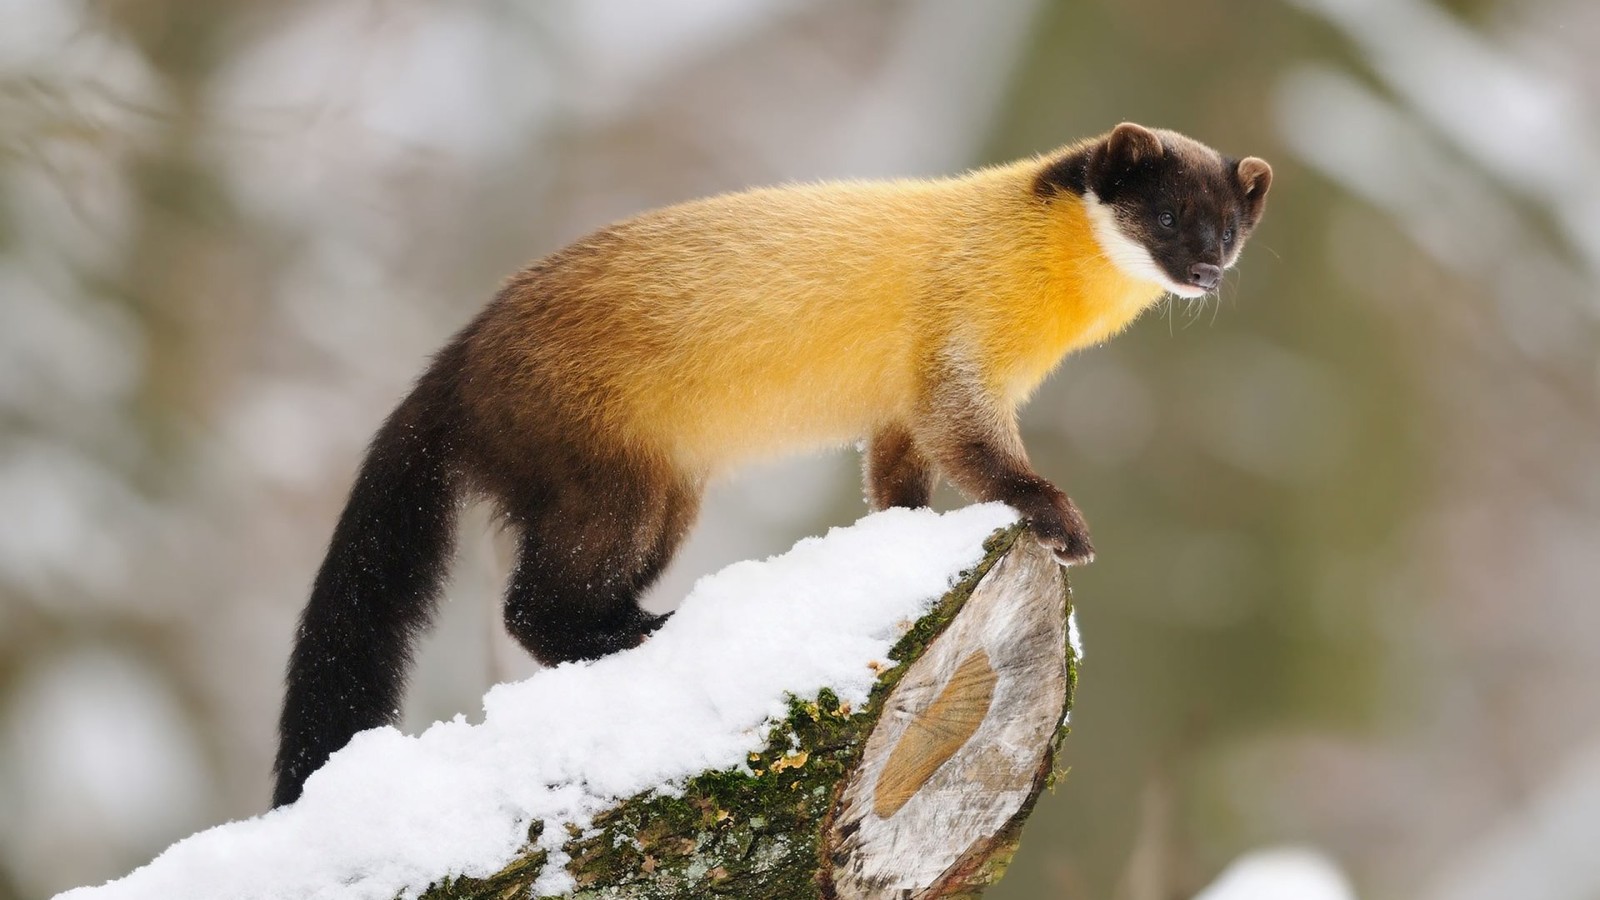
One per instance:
(919, 794)
(870, 715)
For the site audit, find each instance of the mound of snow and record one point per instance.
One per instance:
(390, 813)
(1281, 873)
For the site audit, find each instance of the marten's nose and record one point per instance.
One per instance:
(1205, 275)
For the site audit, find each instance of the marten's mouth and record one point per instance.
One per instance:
(1190, 288)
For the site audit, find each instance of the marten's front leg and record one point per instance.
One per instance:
(972, 437)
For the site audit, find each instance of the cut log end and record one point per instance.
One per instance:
(964, 745)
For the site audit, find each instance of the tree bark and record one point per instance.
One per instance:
(921, 794)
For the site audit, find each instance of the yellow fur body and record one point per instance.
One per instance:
(753, 324)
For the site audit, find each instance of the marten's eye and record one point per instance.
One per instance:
(1167, 220)
(1227, 235)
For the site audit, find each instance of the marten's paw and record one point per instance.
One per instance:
(568, 640)
(640, 626)
(1077, 551)
(1059, 527)
(1070, 547)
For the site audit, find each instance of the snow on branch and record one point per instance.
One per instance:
(870, 714)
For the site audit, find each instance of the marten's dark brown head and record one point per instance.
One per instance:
(1165, 208)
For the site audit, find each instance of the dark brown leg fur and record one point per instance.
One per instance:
(974, 442)
(596, 521)
(589, 548)
(897, 473)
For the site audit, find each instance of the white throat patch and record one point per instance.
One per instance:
(1126, 253)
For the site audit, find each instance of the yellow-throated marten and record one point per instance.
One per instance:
(605, 384)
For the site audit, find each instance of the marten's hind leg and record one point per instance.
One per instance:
(588, 551)
(897, 471)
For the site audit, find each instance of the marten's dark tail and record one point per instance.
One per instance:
(378, 585)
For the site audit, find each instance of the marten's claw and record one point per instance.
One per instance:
(1071, 549)
(650, 623)
(1080, 557)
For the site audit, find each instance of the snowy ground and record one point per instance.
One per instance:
(1281, 873)
(391, 813)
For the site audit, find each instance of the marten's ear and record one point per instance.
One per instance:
(1255, 177)
(1131, 144)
